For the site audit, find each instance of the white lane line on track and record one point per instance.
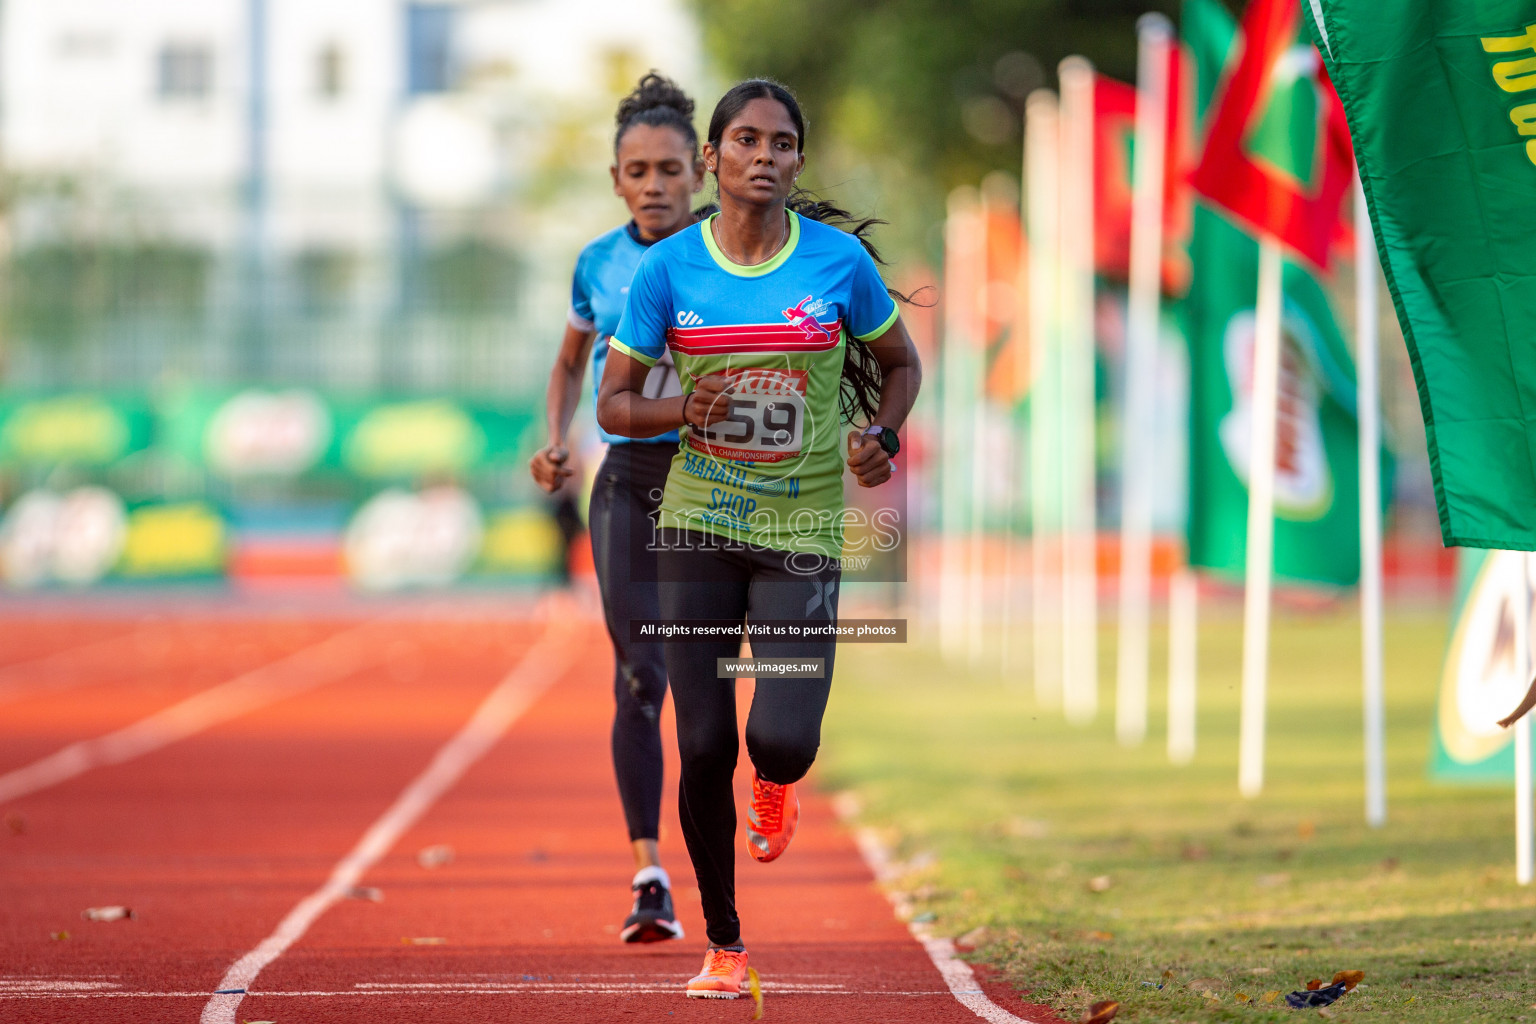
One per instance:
(957, 973)
(545, 661)
(304, 669)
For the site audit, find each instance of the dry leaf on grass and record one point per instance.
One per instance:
(1241, 997)
(1313, 984)
(1270, 996)
(1349, 979)
(1206, 985)
(755, 986)
(1099, 936)
(1101, 1012)
(1100, 883)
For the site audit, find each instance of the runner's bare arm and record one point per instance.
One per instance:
(623, 409)
(901, 377)
(901, 372)
(548, 464)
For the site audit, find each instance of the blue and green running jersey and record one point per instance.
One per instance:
(598, 290)
(772, 473)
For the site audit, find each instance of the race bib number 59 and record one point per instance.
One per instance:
(766, 421)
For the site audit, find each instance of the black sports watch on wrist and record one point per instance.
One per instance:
(887, 438)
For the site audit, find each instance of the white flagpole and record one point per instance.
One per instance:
(1259, 564)
(1523, 824)
(1183, 608)
(976, 328)
(1080, 598)
(1368, 403)
(1018, 338)
(1041, 176)
(975, 365)
(958, 444)
(1523, 867)
(1154, 34)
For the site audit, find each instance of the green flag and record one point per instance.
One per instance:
(1441, 101)
(1317, 525)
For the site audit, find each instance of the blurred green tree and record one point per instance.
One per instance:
(907, 99)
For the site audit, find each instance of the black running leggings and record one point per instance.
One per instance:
(625, 497)
(702, 580)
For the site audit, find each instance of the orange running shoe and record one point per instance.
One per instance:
(724, 972)
(772, 818)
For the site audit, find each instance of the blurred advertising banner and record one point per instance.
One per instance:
(1482, 679)
(437, 536)
(385, 494)
(1317, 529)
(83, 429)
(287, 432)
(88, 535)
(1442, 109)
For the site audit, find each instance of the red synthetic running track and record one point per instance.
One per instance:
(214, 837)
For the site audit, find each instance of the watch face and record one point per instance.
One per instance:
(888, 440)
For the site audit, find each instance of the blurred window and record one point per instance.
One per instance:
(331, 72)
(429, 48)
(186, 71)
(325, 280)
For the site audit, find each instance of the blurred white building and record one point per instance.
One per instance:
(323, 154)
(313, 107)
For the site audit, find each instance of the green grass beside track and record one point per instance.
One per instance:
(1007, 814)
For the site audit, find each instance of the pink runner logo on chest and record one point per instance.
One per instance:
(803, 316)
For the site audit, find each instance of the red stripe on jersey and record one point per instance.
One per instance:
(708, 341)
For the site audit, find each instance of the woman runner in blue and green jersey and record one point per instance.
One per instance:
(782, 330)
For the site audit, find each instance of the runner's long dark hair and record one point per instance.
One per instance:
(859, 394)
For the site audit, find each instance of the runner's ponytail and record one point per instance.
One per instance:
(859, 389)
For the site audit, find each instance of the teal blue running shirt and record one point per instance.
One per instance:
(598, 290)
(772, 473)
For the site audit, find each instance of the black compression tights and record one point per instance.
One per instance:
(625, 496)
(784, 724)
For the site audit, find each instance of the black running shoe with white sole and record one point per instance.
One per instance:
(652, 920)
